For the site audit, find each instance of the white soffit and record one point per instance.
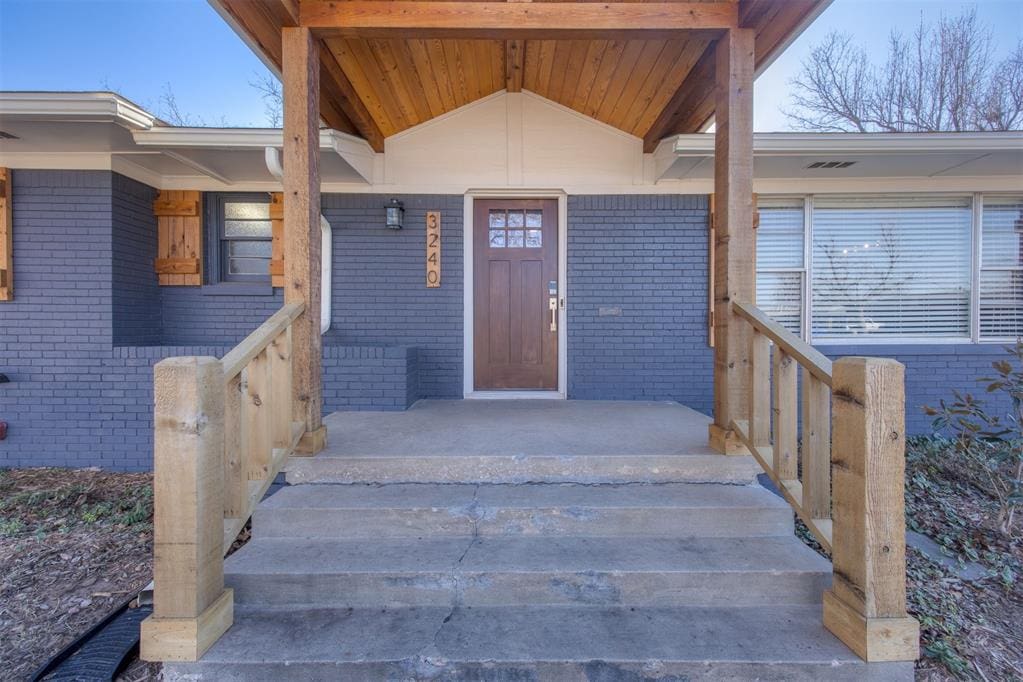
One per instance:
(873, 155)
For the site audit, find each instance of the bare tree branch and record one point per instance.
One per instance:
(942, 78)
(273, 97)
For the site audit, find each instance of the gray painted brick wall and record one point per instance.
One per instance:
(88, 323)
(379, 288)
(932, 372)
(136, 290)
(637, 278)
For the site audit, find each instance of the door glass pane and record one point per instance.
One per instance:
(516, 219)
(534, 219)
(534, 239)
(516, 239)
(497, 219)
(254, 229)
(497, 239)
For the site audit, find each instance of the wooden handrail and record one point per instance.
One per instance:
(808, 356)
(223, 430)
(854, 407)
(238, 357)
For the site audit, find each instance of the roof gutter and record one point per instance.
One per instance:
(797, 144)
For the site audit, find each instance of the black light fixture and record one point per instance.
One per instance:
(395, 214)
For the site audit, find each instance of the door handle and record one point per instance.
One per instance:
(552, 303)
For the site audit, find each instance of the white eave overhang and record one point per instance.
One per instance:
(873, 155)
(91, 107)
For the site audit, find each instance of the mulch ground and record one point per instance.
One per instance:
(971, 628)
(74, 545)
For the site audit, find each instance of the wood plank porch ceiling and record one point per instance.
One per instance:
(393, 66)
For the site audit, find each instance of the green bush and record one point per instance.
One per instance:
(991, 444)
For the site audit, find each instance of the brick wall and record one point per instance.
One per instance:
(56, 333)
(136, 291)
(379, 290)
(932, 372)
(637, 278)
(369, 377)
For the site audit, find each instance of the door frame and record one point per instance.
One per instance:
(468, 309)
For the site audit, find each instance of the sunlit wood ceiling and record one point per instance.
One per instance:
(376, 87)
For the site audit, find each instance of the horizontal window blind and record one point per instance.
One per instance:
(780, 261)
(891, 266)
(1001, 274)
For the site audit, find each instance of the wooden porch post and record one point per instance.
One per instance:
(301, 69)
(735, 242)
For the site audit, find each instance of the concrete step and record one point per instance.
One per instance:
(414, 510)
(489, 571)
(542, 643)
(471, 468)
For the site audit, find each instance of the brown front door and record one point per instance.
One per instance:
(515, 281)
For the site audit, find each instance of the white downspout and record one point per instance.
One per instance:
(273, 164)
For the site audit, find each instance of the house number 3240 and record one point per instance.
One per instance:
(433, 249)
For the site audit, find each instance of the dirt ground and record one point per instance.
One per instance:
(74, 544)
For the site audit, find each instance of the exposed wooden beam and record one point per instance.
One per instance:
(263, 22)
(301, 70)
(735, 246)
(514, 64)
(515, 20)
(693, 101)
(692, 105)
(348, 99)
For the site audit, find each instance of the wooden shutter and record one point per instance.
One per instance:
(179, 248)
(277, 250)
(6, 237)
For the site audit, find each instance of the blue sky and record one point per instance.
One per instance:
(139, 47)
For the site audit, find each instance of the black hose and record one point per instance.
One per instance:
(74, 646)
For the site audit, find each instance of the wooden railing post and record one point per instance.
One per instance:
(280, 389)
(866, 605)
(816, 447)
(236, 489)
(191, 608)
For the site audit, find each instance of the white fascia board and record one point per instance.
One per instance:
(798, 144)
(355, 151)
(76, 106)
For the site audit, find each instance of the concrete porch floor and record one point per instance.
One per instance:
(510, 428)
(520, 441)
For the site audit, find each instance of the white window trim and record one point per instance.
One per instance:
(976, 267)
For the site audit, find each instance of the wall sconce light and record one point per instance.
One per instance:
(395, 214)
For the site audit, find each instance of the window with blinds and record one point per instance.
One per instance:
(780, 267)
(1001, 268)
(891, 267)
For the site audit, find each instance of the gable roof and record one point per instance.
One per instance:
(650, 84)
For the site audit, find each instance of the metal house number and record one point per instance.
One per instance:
(432, 249)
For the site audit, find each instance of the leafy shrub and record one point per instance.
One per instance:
(991, 444)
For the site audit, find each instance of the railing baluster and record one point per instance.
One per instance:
(786, 416)
(760, 389)
(236, 489)
(258, 417)
(816, 447)
(280, 395)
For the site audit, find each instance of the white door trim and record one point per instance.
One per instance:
(468, 353)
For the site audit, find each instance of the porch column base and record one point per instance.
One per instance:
(186, 639)
(872, 639)
(312, 442)
(725, 441)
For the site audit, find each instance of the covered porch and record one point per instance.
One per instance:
(225, 428)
